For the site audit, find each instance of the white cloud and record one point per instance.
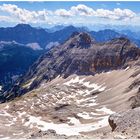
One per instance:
(116, 14)
(63, 13)
(24, 15)
(75, 12)
(4, 18)
(80, 9)
(83, 10)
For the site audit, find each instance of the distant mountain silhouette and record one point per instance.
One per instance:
(26, 34)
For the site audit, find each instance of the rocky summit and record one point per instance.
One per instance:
(79, 89)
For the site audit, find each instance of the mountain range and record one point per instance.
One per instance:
(24, 34)
(69, 83)
(81, 55)
(41, 40)
(81, 85)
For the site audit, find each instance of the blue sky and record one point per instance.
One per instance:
(77, 13)
(135, 6)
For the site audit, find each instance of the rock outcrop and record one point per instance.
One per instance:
(126, 122)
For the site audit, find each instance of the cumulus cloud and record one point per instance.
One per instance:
(83, 10)
(27, 16)
(116, 14)
(24, 15)
(63, 13)
(80, 9)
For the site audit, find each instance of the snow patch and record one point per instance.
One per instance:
(74, 129)
(84, 115)
(108, 72)
(0, 88)
(93, 113)
(105, 110)
(5, 138)
(74, 80)
(29, 83)
(87, 84)
(21, 113)
(127, 68)
(7, 106)
(16, 134)
(4, 113)
(74, 120)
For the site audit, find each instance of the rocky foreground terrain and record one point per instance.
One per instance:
(80, 89)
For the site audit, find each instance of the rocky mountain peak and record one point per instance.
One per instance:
(85, 39)
(81, 40)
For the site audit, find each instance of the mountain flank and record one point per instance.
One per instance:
(80, 55)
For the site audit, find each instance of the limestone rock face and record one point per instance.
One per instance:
(80, 55)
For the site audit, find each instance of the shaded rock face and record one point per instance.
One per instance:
(81, 55)
(82, 40)
(85, 40)
(128, 121)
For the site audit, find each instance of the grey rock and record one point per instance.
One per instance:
(126, 121)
